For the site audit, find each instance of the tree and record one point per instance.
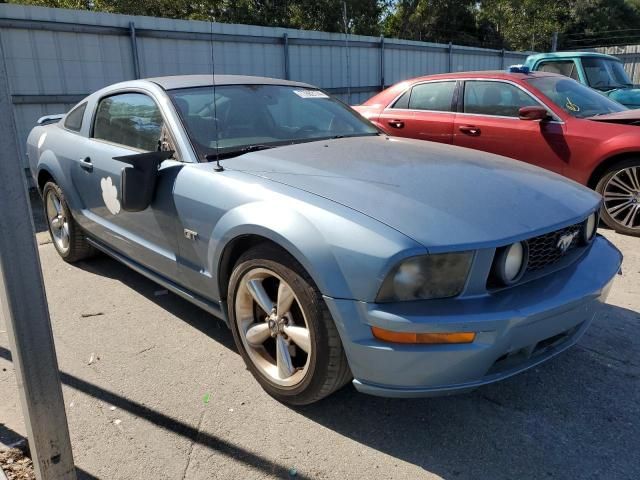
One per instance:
(434, 20)
(524, 24)
(602, 22)
(364, 15)
(512, 24)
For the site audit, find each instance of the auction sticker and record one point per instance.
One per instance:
(310, 94)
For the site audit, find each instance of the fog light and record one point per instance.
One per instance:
(589, 228)
(424, 338)
(511, 262)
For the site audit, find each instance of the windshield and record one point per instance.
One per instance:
(605, 74)
(574, 98)
(253, 117)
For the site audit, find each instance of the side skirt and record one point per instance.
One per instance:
(213, 308)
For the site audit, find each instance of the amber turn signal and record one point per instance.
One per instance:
(428, 338)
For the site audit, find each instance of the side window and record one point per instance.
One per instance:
(565, 67)
(74, 119)
(436, 96)
(495, 98)
(131, 119)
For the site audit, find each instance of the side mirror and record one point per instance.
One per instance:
(533, 113)
(138, 182)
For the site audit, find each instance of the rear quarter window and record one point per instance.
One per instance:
(73, 121)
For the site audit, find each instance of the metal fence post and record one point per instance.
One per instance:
(450, 58)
(502, 59)
(285, 51)
(25, 312)
(134, 49)
(554, 42)
(381, 62)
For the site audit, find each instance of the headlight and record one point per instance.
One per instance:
(511, 263)
(589, 227)
(428, 276)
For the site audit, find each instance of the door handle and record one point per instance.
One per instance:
(85, 164)
(470, 130)
(396, 123)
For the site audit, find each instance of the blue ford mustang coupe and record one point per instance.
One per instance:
(331, 250)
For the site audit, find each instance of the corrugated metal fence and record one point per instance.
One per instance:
(52, 58)
(630, 56)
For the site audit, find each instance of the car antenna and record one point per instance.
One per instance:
(218, 167)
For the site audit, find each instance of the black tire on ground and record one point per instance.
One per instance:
(328, 368)
(79, 248)
(601, 187)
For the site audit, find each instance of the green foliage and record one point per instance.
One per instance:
(433, 20)
(363, 16)
(512, 24)
(524, 24)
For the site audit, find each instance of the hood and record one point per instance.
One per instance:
(626, 117)
(444, 197)
(629, 97)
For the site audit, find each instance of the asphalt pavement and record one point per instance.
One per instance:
(155, 389)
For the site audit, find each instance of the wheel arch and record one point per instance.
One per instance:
(232, 252)
(44, 176)
(607, 163)
(238, 232)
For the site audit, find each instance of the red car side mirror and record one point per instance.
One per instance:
(533, 113)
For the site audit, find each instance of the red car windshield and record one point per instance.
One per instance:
(574, 98)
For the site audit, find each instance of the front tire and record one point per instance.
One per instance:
(66, 235)
(283, 329)
(620, 188)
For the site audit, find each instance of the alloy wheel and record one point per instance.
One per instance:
(273, 327)
(622, 197)
(58, 222)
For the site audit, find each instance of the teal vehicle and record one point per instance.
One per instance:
(596, 70)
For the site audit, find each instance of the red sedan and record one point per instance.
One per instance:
(545, 119)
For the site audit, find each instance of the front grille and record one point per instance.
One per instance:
(544, 250)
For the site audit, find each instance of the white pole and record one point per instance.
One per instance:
(25, 311)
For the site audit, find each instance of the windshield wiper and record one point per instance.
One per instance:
(234, 153)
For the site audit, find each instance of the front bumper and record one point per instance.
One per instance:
(516, 329)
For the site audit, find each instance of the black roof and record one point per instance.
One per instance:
(186, 81)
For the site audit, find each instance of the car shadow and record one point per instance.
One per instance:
(37, 212)
(194, 316)
(572, 417)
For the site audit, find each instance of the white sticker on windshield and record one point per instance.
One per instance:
(310, 94)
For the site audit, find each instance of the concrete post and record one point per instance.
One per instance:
(25, 312)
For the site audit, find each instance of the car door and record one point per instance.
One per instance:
(127, 123)
(488, 120)
(424, 112)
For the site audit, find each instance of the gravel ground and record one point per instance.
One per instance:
(155, 389)
(15, 465)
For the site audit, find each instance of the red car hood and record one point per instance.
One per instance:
(626, 116)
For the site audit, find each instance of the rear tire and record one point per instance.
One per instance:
(620, 188)
(67, 237)
(269, 340)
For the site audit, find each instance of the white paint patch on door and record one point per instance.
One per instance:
(110, 195)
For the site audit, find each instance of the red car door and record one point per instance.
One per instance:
(488, 120)
(424, 111)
